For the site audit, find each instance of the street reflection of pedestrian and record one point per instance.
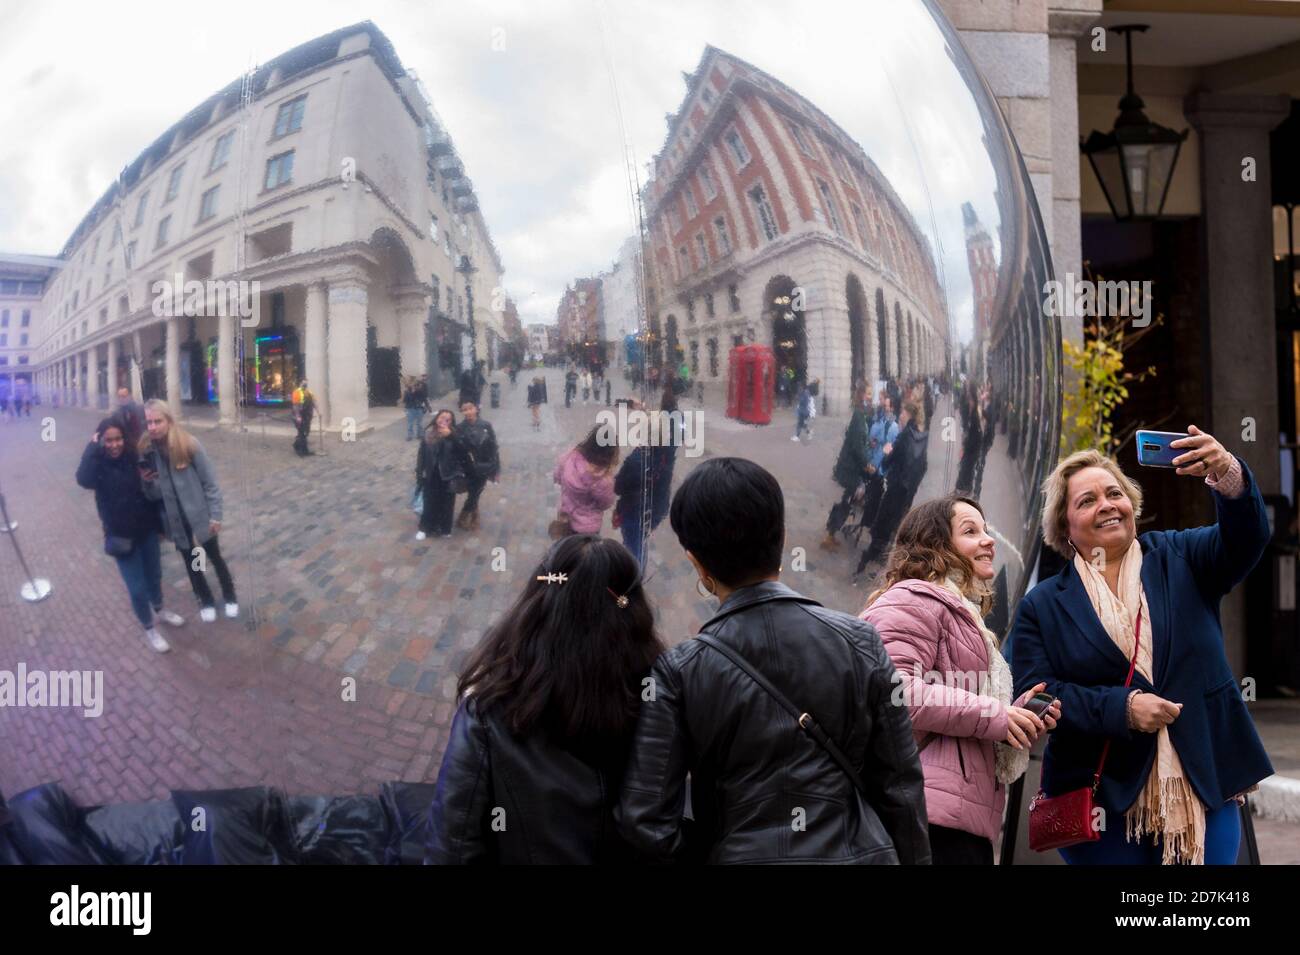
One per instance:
(972, 441)
(536, 398)
(549, 702)
(585, 474)
(483, 461)
(304, 408)
(905, 469)
(570, 386)
(850, 466)
(439, 471)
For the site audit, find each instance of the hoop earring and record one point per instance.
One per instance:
(703, 589)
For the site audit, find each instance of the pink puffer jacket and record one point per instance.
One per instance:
(942, 660)
(584, 496)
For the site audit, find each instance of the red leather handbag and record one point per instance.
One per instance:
(1057, 822)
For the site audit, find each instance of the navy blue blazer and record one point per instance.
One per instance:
(1058, 639)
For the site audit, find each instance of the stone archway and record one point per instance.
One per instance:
(859, 341)
(882, 336)
(789, 333)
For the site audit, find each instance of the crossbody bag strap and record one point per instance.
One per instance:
(1132, 665)
(805, 720)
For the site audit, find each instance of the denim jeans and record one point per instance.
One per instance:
(142, 573)
(414, 418)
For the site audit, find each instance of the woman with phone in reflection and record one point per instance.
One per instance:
(181, 477)
(440, 473)
(974, 740)
(111, 468)
(534, 761)
(1127, 635)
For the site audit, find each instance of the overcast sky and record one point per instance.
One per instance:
(89, 86)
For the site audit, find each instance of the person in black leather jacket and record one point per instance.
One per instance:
(537, 748)
(761, 790)
(483, 461)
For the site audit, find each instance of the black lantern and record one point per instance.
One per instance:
(1135, 161)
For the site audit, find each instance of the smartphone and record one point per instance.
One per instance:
(1154, 451)
(147, 463)
(1039, 703)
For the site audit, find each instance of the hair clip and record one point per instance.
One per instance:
(621, 600)
(553, 578)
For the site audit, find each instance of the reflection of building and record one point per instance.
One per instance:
(539, 341)
(578, 319)
(23, 279)
(769, 223)
(353, 216)
(984, 285)
(620, 302)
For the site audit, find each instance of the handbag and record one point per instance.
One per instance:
(1057, 822)
(115, 546)
(560, 527)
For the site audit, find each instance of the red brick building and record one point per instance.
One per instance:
(768, 223)
(578, 321)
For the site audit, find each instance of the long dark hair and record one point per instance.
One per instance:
(922, 550)
(603, 456)
(566, 658)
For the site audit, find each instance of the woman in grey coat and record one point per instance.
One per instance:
(184, 481)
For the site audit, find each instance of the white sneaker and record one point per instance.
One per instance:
(208, 614)
(155, 640)
(232, 610)
(795, 438)
(170, 617)
(420, 535)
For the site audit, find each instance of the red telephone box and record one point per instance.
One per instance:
(750, 384)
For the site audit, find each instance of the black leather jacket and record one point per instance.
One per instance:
(506, 800)
(761, 789)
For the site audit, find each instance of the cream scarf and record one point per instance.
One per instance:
(1167, 806)
(1011, 762)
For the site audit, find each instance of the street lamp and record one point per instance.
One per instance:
(466, 269)
(1135, 161)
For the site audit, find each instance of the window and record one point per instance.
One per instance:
(174, 183)
(289, 118)
(683, 262)
(103, 317)
(737, 146)
(208, 204)
(707, 184)
(4, 318)
(4, 339)
(94, 249)
(76, 296)
(163, 228)
(437, 293)
(221, 151)
(433, 228)
(724, 239)
(702, 248)
(691, 210)
(279, 170)
(139, 211)
(829, 202)
(446, 243)
(130, 254)
(708, 304)
(799, 138)
(860, 221)
(674, 219)
(707, 95)
(763, 209)
(108, 272)
(27, 317)
(734, 296)
(690, 310)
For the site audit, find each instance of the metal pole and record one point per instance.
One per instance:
(37, 588)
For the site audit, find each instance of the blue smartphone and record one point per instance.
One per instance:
(1154, 450)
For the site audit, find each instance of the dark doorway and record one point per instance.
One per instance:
(385, 371)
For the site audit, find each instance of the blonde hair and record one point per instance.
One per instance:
(180, 443)
(1056, 495)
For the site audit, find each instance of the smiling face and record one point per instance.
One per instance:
(114, 443)
(1099, 514)
(442, 423)
(470, 411)
(970, 538)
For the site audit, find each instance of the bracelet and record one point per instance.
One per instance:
(1128, 709)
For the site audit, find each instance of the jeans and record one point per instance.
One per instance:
(142, 574)
(414, 418)
(631, 531)
(1222, 842)
(199, 581)
(800, 423)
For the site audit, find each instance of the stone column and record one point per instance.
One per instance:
(348, 392)
(412, 315)
(314, 346)
(112, 372)
(1237, 289)
(227, 390)
(173, 366)
(84, 370)
(1067, 20)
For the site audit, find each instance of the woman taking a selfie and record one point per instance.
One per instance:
(179, 474)
(974, 740)
(440, 473)
(1127, 635)
(110, 468)
(534, 762)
